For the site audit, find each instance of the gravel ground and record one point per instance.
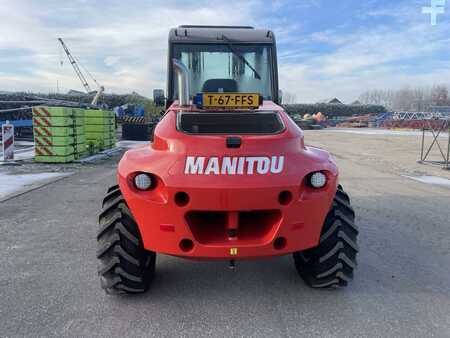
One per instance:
(49, 286)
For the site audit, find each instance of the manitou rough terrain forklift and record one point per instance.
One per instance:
(228, 175)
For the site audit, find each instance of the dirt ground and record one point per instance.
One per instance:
(49, 284)
(393, 152)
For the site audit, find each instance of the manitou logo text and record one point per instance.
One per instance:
(233, 165)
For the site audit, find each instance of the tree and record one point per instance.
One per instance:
(289, 98)
(439, 95)
(408, 99)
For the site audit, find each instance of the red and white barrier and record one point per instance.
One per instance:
(8, 141)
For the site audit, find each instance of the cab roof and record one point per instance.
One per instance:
(213, 34)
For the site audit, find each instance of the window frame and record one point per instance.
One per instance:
(272, 58)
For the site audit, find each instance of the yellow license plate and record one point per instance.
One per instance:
(230, 100)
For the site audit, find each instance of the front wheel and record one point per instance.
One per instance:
(332, 262)
(125, 266)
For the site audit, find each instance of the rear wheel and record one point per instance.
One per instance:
(331, 263)
(125, 266)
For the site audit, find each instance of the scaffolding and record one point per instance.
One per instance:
(436, 129)
(419, 115)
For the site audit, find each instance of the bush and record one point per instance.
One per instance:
(111, 100)
(333, 110)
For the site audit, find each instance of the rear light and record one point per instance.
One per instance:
(318, 180)
(149, 186)
(143, 181)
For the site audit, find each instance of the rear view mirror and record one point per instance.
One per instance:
(159, 97)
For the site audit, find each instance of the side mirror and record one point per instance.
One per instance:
(159, 97)
(280, 96)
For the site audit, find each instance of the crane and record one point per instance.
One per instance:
(80, 75)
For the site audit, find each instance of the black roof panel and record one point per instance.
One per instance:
(210, 34)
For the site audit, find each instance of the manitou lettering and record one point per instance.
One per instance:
(234, 165)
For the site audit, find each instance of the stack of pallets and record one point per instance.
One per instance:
(79, 133)
(58, 134)
(100, 130)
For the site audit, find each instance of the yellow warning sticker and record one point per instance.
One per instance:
(233, 251)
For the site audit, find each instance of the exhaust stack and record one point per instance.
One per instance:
(183, 82)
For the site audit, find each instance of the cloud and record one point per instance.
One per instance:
(111, 60)
(124, 44)
(393, 55)
(129, 37)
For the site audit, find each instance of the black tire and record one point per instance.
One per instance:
(332, 262)
(125, 266)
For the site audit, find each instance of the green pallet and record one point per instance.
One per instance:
(100, 132)
(52, 111)
(54, 159)
(99, 120)
(98, 113)
(80, 148)
(99, 145)
(96, 142)
(58, 131)
(97, 128)
(53, 121)
(54, 151)
(98, 136)
(58, 111)
(94, 113)
(81, 138)
(53, 131)
(78, 121)
(54, 141)
(79, 130)
(78, 112)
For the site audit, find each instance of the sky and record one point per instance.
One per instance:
(326, 48)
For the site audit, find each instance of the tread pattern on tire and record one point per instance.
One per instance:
(125, 266)
(331, 263)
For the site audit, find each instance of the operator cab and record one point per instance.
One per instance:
(224, 59)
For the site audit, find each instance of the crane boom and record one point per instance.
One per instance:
(75, 67)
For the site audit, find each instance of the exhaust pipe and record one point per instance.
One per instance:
(182, 73)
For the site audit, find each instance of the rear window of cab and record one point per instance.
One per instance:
(258, 123)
